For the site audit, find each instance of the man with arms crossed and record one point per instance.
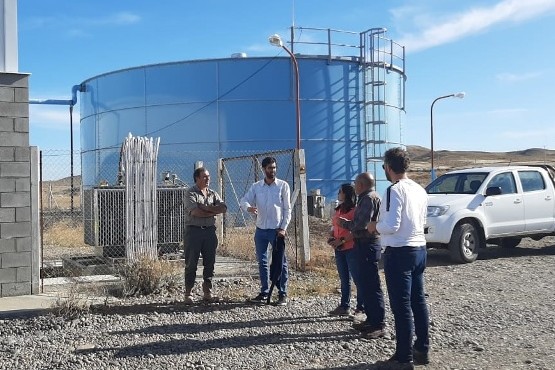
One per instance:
(201, 207)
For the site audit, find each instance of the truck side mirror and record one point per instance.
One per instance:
(493, 190)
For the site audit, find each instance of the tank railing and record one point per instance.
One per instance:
(335, 40)
(379, 56)
(376, 48)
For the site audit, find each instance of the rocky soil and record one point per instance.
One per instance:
(496, 313)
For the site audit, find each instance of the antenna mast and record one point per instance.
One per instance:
(293, 13)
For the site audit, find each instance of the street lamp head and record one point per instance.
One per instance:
(459, 95)
(276, 40)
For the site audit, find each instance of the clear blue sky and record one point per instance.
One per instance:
(500, 52)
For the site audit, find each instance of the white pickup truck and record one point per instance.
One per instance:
(497, 205)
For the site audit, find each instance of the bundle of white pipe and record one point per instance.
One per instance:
(140, 155)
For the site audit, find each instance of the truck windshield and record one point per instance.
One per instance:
(457, 183)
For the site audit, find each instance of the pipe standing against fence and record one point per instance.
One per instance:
(71, 103)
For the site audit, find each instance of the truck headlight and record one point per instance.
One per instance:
(435, 211)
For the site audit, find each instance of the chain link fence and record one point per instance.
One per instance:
(61, 217)
(83, 226)
(237, 175)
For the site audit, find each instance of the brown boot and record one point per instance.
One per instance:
(188, 297)
(207, 292)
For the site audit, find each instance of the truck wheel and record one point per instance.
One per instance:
(510, 242)
(464, 243)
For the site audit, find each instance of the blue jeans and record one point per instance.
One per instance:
(347, 267)
(404, 274)
(368, 254)
(263, 237)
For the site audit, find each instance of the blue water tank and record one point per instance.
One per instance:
(202, 110)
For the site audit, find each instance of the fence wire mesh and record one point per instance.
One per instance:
(237, 175)
(83, 226)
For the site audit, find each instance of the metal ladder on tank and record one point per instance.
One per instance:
(377, 59)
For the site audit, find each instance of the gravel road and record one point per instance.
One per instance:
(496, 313)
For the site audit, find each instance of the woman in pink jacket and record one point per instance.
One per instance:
(342, 242)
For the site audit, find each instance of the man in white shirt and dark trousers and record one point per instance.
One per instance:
(401, 227)
(269, 199)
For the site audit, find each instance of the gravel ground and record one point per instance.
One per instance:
(496, 313)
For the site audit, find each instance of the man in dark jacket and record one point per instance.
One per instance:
(368, 251)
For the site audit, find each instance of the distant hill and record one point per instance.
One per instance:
(66, 181)
(448, 158)
(445, 160)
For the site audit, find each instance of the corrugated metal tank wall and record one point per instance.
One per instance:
(208, 109)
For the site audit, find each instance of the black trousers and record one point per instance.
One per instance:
(197, 242)
(369, 286)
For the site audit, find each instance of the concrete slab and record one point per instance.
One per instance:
(26, 305)
(32, 305)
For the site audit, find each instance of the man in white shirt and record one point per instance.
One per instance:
(269, 199)
(401, 227)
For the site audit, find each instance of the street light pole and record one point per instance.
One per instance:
(455, 95)
(276, 41)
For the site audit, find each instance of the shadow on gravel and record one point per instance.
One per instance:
(380, 365)
(190, 328)
(133, 309)
(494, 252)
(440, 257)
(186, 345)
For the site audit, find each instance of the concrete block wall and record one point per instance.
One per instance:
(19, 243)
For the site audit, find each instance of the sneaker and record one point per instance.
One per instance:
(282, 300)
(420, 358)
(362, 326)
(392, 362)
(261, 298)
(373, 333)
(189, 299)
(358, 315)
(210, 298)
(400, 365)
(340, 311)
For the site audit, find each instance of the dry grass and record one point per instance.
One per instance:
(65, 234)
(238, 243)
(147, 276)
(60, 198)
(322, 263)
(322, 272)
(73, 303)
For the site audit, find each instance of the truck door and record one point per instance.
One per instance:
(539, 205)
(504, 212)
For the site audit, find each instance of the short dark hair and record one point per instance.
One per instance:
(268, 160)
(397, 159)
(199, 171)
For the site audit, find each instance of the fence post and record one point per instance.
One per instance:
(220, 219)
(301, 208)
